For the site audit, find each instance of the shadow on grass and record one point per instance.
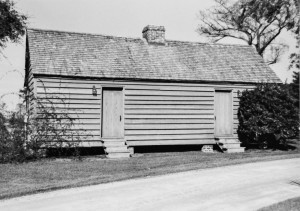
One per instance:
(291, 145)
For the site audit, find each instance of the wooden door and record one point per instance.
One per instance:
(223, 113)
(112, 113)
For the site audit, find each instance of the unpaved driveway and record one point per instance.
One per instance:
(240, 187)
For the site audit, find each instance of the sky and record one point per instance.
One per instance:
(112, 17)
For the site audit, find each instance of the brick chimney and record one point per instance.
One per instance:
(154, 34)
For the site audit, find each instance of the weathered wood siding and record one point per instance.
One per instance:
(30, 94)
(155, 113)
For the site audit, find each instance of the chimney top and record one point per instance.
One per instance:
(154, 34)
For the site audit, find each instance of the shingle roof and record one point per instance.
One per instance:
(71, 54)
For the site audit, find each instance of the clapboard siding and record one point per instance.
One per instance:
(170, 132)
(171, 142)
(59, 82)
(172, 107)
(168, 114)
(155, 113)
(169, 121)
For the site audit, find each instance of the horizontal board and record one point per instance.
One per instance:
(168, 121)
(144, 83)
(85, 143)
(171, 132)
(70, 110)
(167, 126)
(167, 111)
(67, 96)
(71, 106)
(80, 116)
(63, 90)
(165, 93)
(168, 137)
(90, 144)
(72, 84)
(170, 142)
(80, 121)
(168, 98)
(77, 126)
(169, 107)
(82, 138)
(170, 102)
(170, 116)
(169, 88)
(67, 101)
(76, 132)
(72, 113)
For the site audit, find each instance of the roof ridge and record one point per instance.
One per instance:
(134, 38)
(208, 43)
(84, 33)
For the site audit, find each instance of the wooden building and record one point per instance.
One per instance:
(128, 92)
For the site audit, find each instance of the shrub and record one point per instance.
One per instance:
(47, 128)
(294, 87)
(12, 139)
(50, 128)
(267, 115)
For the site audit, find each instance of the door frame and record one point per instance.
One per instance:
(122, 88)
(229, 90)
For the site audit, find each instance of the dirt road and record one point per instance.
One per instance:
(240, 187)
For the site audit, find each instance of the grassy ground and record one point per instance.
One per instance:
(290, 205)
(51, 174)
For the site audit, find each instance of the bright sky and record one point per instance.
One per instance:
(111, 17)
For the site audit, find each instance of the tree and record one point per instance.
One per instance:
(12, 23)
(295, 57)
(257, 22)
(267, 115)
(294, 87)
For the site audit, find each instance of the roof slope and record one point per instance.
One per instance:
(79, 54)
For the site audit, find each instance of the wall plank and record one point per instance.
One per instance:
(168, 106)
(167, 111)
(171, 142)
(168, 126)
(166, 93)
(168, 137)
(168, 121)
(156, 113)
(170, 132)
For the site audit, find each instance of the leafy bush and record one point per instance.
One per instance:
(48, 128)
(294, 87)
(267, 115)
(12, 136)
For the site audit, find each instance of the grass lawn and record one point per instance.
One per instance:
(290, 205)
(51, 174)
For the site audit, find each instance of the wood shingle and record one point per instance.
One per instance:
(90, 55)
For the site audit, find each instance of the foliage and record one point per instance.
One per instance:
(12, 139)
(48, 127)
(294, 88)
(52, 128)
(12, 23)
(257, 22)
(3, 137)
(295, 57)
(294, 61)
(267, 115)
